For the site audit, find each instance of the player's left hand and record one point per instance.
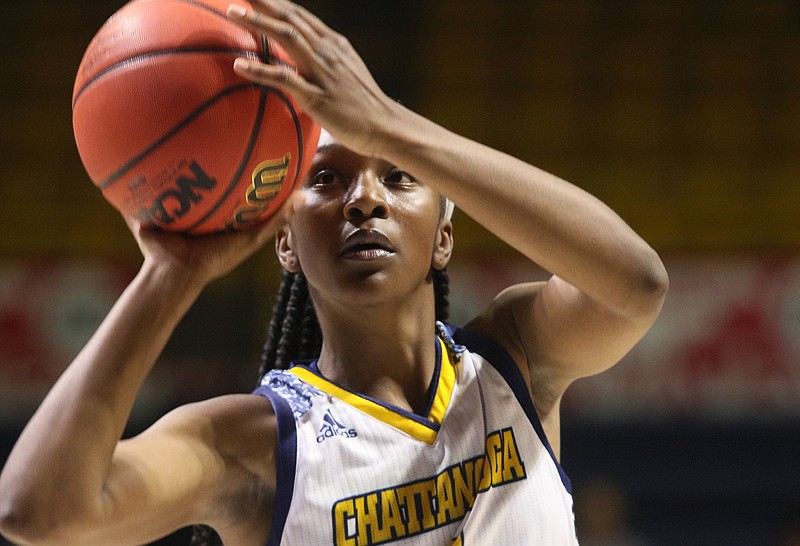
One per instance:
(332, 84)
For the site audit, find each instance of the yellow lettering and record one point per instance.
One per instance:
(483, 474)
(267, 179)
(513, 468)
(424, 520)
(406, 496)
(449, 507)
(464, 478)
(392, 517)
(342, 512)
(367, 518)
(428, 494)
(494, 453)
(386, 515)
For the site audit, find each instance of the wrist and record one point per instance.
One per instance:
(394, 131)
(407, 139)
(173, 281)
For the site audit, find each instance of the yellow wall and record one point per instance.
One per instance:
(682, 115)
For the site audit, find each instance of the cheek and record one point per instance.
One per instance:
(308, 231)
(420, 205)
(421, 234)
(316, 211)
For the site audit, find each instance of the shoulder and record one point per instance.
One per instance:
(242, 429)
(513, 322)
(240, 432)
(506, 321)
(207, 462)
(557, 333)
(499, 321)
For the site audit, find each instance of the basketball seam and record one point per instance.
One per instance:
(259, 119)
(208, 8)
(265, 57)
(161, 52)
(265, 54)
(266, 91)
(298, 130)
(113, 177)
(262, 102)
(256, 131)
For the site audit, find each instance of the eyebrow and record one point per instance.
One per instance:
(329, 147)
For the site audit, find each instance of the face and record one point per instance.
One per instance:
(366, 229)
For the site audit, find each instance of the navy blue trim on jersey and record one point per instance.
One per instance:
(491, 351)
(285, 462)
(433, 388)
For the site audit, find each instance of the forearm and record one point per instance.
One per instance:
(60, 462)
(554, 223)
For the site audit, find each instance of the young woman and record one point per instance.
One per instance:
(398, 429)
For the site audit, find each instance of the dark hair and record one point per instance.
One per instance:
(294, 335)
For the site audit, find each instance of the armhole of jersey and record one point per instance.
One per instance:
(500, 360)
(285, 463)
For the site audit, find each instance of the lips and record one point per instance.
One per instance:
(367, 244)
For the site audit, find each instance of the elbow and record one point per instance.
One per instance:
(23, 524)
(16, 523)
(39, 509)
(650, 287)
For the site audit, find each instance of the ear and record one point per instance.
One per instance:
(283, 248)
(443, 247)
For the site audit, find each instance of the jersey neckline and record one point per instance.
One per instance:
(421, 427)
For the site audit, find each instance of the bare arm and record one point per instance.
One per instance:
(608, 285)
(67, 479)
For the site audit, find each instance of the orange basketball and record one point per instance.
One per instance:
(171, 135)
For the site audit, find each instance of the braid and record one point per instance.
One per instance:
(278, 315)
(441, 292)
(294, 331)
(294, 306)
(310, 333)
(203, 535)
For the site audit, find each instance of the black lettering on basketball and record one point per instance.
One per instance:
(176, 202)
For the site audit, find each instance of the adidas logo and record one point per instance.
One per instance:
(331, 428)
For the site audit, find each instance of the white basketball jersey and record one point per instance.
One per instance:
(475, 469)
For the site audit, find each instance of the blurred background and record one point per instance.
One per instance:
(683, 116)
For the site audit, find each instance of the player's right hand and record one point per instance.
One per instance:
(203, 258)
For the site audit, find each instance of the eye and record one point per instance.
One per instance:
(325, 178)
(399, 177)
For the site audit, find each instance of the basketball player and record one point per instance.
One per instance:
(398, 429)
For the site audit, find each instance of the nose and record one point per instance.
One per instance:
(366, 199)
